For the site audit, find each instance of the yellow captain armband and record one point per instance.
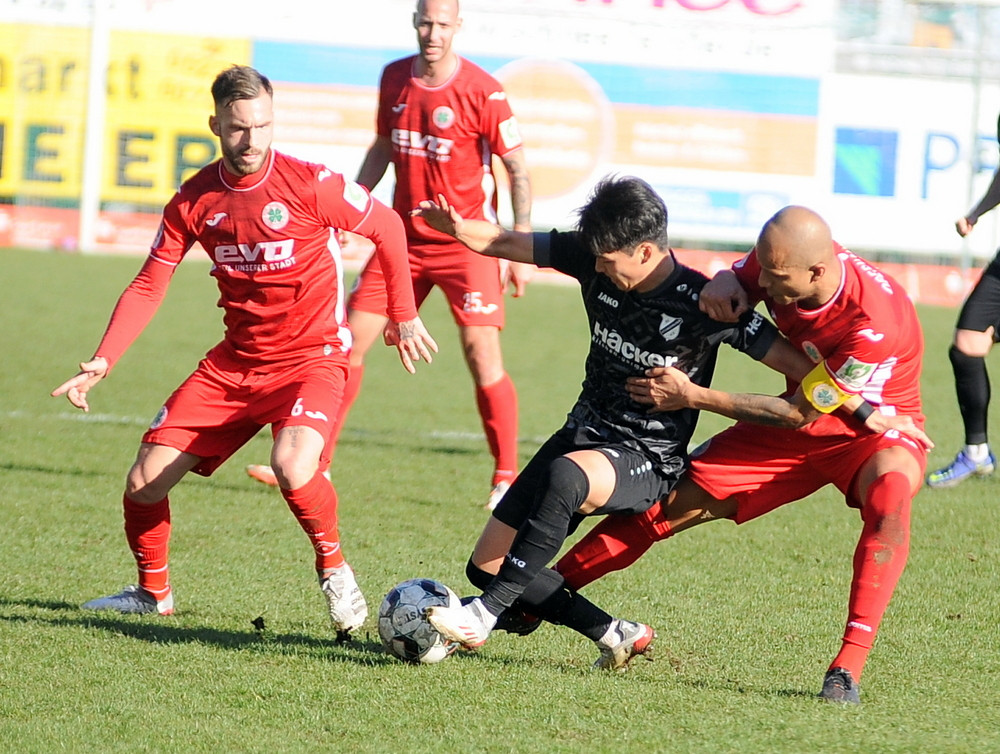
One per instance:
(822, 391)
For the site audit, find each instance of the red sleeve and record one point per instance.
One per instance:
(382, 126)
(348, 205)
(499, 124)
(747, 272)
(135, 308)
(385, 228)
(857, 358)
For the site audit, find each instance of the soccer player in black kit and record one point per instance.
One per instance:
(976, 332)
(611, 455)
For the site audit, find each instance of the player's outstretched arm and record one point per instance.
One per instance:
(480, 236)
(877, 422)
(376, 162)
(670, 389)
(76, 388)
(519, 274)
(990, 200)
(412, 341)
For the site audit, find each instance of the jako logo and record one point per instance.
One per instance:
(414, 140)
(266, 251)
(516, 561)
(612, 341)
(602, 296)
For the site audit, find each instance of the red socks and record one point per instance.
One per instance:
(615, 543)
(498, 409)
(147, 531)
(314, 505)
(352, 387)
(879, 560)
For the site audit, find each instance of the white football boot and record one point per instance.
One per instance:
(133, 599)
(348, 608)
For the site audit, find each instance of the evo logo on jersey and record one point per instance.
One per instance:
(612, 341)
(276, 254)
(414, 142)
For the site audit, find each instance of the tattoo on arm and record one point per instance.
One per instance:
(767, 410)
(520, 189)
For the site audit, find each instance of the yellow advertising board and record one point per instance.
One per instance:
(158, 102)
(158, 107)
(43, 87)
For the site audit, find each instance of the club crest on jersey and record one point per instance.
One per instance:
(670, 327)
(443, 117)
(811, 351)
(161, 416)
(275, 215)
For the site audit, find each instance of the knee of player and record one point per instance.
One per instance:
(887, 501)
(570, 484)
(477, 576)
(294, 470)
(142, 487)
(689, 505)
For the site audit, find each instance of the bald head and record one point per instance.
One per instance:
(796, 237)
(423, 6)
(797, 258)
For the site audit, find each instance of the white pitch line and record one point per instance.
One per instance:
(141, 422)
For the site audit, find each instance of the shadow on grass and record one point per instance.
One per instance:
(360, 649)
(744, 689)
(57, 470)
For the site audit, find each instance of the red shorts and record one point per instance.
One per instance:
(765, 468)
(470, 282)
(216, 411)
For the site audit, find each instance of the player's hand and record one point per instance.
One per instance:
(411, 340)
(963, 226)
(663, 389)
(76, 388)
(516, 274)
(723, 298)
(439, 215)
(879, 422)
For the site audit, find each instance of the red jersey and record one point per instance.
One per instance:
(867, 335)
(443, 138)
(271, 239)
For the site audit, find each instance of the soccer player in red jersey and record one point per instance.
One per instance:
(268, 223)
(440, 120)
(860, 329)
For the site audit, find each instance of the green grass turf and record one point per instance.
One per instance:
(748, 617)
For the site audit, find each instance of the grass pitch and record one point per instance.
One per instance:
(748, 617)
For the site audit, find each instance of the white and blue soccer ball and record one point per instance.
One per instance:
(403, 625)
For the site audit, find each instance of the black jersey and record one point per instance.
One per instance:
(631, 332)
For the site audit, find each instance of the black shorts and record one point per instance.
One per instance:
(640, 483)
(981, 309)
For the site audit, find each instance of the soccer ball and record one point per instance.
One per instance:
(403, 627)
